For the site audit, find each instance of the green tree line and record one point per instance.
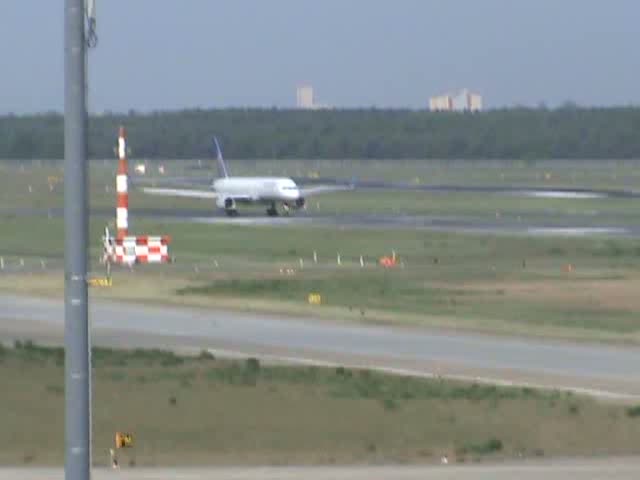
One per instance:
(522, 133)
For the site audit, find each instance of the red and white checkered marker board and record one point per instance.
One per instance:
(142, 249)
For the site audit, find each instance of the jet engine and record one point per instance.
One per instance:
(229, 204)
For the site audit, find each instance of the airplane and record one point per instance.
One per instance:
(229, 191)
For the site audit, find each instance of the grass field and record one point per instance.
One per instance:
(583, 288)
(202, 411)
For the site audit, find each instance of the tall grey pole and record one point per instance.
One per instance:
(76, 331)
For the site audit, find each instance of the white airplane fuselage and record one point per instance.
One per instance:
(263, 190)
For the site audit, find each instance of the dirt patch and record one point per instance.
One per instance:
(609, 294)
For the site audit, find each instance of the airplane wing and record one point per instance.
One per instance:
(309, 191)
(177, 192)
(170, 182)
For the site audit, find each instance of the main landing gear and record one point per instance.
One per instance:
(272, 211)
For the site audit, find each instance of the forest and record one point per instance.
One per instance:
(568, 132)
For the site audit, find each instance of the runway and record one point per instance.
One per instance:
(533, 225)
(604, 371)
(610, 469)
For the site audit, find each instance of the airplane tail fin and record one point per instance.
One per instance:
(222, 167)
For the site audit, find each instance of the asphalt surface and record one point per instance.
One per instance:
(531, 225)
(607, 469)
(606, 371)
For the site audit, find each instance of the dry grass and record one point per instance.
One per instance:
(204, 411)
(614, 293)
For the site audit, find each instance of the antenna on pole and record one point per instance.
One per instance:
(90, 13)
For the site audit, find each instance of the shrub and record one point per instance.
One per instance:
(633, 411)
(253, 364)
(55, 389)
(118, 376)
(344, 372)
(206, 355)
(492, 445)
(389, 404)
(171, 360)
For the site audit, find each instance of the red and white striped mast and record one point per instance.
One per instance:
(122, 186)
(129, 249)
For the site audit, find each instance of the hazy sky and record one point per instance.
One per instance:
(163, 54)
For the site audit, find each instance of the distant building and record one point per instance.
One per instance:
(475, 102)
(440, 103)
(461, 101)
(304, 97)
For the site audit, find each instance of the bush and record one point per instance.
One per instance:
(253, 364)
(528, 392)
(389, 404)
(492, 445)
(206, 355)
(55, 389)
(171, 361)
(633, 411)
(118, 376)
(557, 252)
